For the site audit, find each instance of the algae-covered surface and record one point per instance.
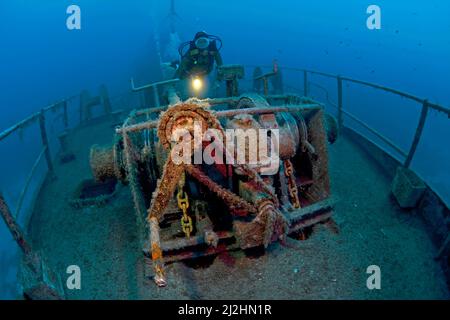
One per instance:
(330, 264)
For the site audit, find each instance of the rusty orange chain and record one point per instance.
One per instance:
(292, 185)
(231, 199)
(183, 204)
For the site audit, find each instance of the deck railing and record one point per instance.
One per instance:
(45, 150)
(11, 219)
(425, 106)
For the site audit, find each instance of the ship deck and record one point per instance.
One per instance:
(330, 264)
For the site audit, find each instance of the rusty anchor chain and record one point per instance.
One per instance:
(232, 200)
(292, 185)
(183, 204)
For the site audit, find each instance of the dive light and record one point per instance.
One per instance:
(197, 84)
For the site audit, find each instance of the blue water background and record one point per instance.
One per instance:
(41, 61)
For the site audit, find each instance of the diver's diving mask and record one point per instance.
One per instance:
(202, 43)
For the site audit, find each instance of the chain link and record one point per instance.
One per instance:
(183, 204)
(292, 185)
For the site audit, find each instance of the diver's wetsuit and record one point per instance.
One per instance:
(199, 62)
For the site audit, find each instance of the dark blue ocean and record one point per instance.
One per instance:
(42, 61)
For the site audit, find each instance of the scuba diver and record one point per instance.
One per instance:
(199, 59)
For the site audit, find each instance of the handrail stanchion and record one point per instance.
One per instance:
(14, 228)
(66, 115)
(266, 86)
(305, 83)
(340, 115)
(156, 96)
(44, 138)
(418, 134)
(265, 80)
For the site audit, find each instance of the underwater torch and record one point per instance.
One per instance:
(197, 84)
